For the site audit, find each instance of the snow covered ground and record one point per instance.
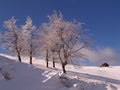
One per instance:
(23, 76)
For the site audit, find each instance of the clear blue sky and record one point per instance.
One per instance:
(101, 17)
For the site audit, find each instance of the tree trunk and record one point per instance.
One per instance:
(63, 65)
(16, 46)
(31, 53)
(18, 53)
(53, 58)
(47, 64)
(47, 58)
(63, 68)
(30, 58)
(53, 63)
(19, 58)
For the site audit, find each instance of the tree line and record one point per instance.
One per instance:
(59, 41)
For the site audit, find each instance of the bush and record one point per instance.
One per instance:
(6, 76)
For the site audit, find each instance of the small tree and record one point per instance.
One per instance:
(29, 41)
(48, 41)
(11, 38)
(44, 41)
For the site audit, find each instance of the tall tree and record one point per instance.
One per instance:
(65, 38)
(29, 41)
(11, 37)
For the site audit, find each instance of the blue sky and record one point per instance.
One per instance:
(101, 17)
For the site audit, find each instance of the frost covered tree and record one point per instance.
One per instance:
(12, 37)
(29, 41)
(64, 38)
(44, 41)
(48, 42)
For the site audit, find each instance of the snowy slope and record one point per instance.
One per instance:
(22, 76)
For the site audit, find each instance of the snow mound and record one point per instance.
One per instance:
(75, 83)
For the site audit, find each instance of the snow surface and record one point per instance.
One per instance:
(23, 76)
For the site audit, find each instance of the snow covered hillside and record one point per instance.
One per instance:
(23, 76)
